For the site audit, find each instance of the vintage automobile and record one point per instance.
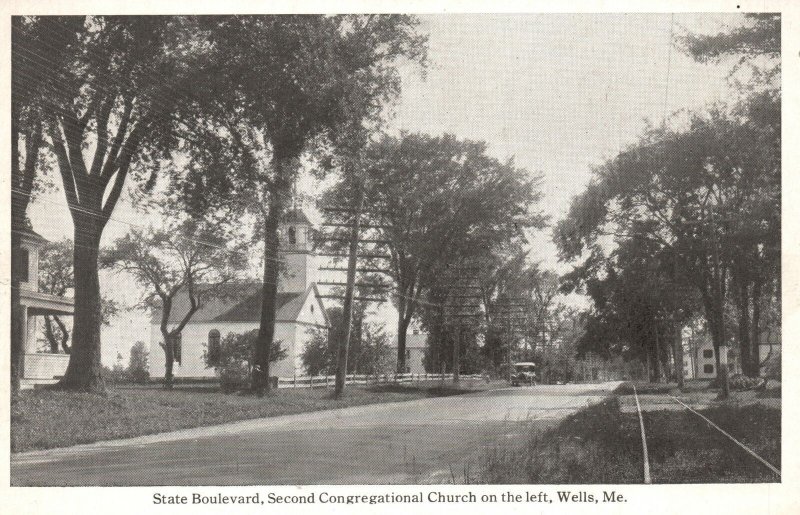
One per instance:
(523, 373)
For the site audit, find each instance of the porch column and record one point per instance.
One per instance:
(29, 330)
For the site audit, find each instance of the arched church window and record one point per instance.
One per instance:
(292, 235)
(214, 347)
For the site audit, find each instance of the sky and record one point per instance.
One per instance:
(557, 92)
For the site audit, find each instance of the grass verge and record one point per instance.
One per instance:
(44, 419)
(601, 445)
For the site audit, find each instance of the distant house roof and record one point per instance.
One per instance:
(26, 232)
(296, 216)
(233, 303)
(413, 341)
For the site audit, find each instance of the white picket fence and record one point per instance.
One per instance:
(330, 381)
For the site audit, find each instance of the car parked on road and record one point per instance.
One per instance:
(524, 373)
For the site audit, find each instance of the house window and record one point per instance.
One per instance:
(20, 263)
(292, 235)
(708, 353)
(214, 347)
(708, 369)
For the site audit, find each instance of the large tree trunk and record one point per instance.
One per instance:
(678, 351)
(456, 354)
(755, 339)
(84, 372)
(266, 331)
(716, 323)
(743, 308)
(657, 359)
(402, 326)
(169, 359)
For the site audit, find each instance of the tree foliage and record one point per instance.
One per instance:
(57, 278)
(329, 80)
(111, 85)
(369, 350)
(181, 258)
(439, 201)
(138, 364)
(235, 359)
(703, 197)
(759, 36)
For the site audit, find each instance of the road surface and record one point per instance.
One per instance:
(423, 441)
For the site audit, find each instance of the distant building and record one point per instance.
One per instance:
(699, 355)
(699, 359)
(299, 311)
(415, 351)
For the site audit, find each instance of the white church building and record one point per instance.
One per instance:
(299, 311)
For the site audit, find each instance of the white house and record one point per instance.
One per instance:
(38, 367)
(415, 351)
(699, 358)
(299, 311)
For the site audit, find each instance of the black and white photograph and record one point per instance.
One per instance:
(423, 248)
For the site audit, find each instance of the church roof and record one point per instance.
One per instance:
(296, 216)
(233, 303)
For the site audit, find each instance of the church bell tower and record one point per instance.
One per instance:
(296, 249)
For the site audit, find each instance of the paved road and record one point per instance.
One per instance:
(424, 441)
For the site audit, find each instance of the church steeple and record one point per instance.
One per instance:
(296, 249)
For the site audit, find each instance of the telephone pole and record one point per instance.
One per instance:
(464, 301)
(353, 239)
(510, 310)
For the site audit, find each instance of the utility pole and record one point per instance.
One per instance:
(353, 239)
(347, 304)
(510, 310)
(463, 298)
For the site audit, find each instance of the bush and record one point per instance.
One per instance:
(742, 382)
(233, 377)
(138, 367)
(772, 368)
(115, 375)
(233, 359)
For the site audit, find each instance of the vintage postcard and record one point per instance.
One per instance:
(388, 257)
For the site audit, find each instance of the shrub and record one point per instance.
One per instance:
(742, 382)
(115, 375)
(772, 368)
(233, 377)
(138, 367)
(233, 360)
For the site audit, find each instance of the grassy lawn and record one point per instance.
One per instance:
(43, 419)
(601, 445)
